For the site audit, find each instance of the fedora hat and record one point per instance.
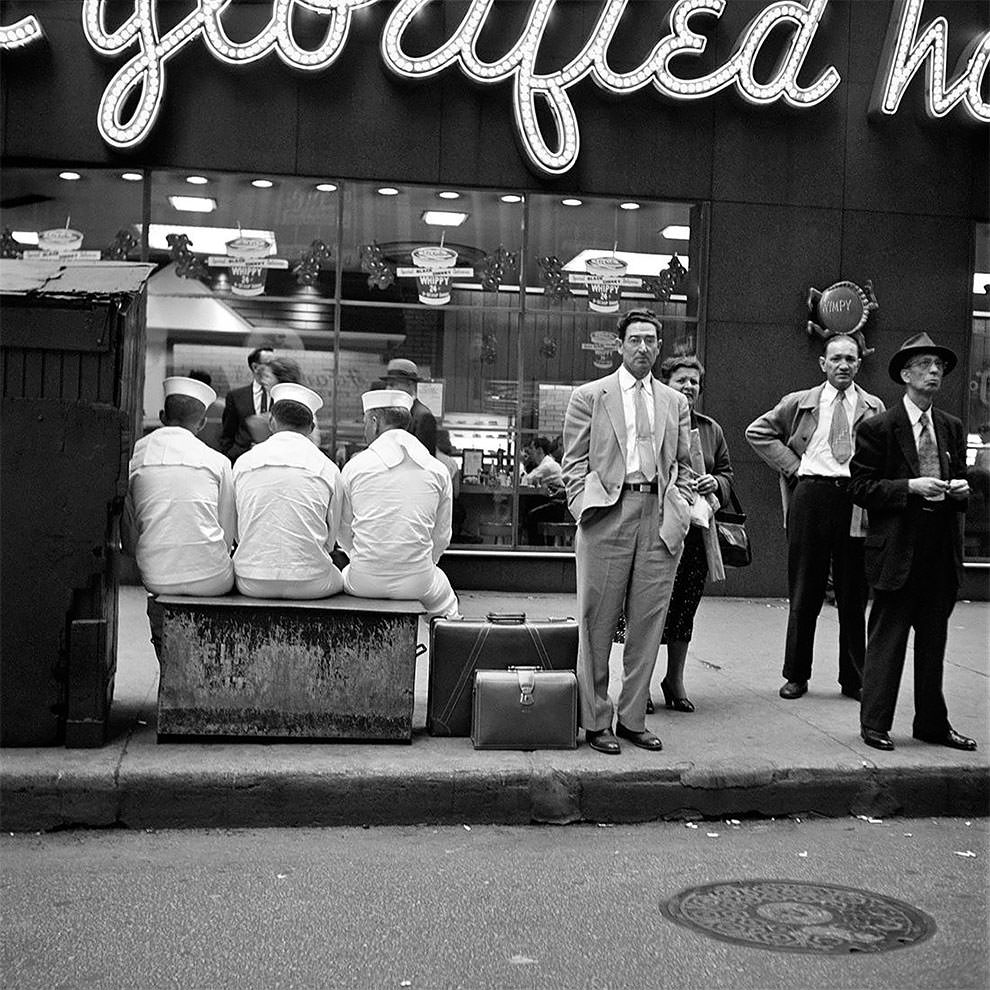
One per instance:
(920, 343)
(402, 368)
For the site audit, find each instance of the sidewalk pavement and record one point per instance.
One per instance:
(744, 752)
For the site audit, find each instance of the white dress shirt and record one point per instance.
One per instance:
(629, 383)
(288, 508)
(818, 458)
(914, 415)
(179, 520)
(548, 470)
(257, 389)
(397, 507)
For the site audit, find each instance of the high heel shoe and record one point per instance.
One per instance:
(677, 704)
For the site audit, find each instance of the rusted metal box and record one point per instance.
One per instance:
(334, 668)
(71, 387)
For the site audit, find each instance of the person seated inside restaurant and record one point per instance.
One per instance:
(396, 516)
(288, 495)
(179, 522)
(539, 465)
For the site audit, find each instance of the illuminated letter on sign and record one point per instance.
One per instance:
(904, 52)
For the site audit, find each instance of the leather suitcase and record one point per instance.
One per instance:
(524, 708)
(459, 647)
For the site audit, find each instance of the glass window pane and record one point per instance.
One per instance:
(977, 538)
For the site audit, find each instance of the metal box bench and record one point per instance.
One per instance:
(333, 668)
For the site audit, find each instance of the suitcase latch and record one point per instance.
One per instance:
(527, 684)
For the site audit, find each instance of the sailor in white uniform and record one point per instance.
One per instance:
(397, 509)
(288, 496)
(179, 520)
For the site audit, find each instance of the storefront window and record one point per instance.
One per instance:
(504, 300)
(977, 540)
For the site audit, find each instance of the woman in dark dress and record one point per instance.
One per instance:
(686, 374)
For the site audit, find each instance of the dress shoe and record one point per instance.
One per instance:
(681, 704)
(650, 709)
(876, 738)
(644, 739)
(949, 738)
(604, 741)
(855, 693)
(794, 689)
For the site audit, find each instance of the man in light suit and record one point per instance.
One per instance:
(245, 402)
(909, 471)
(627, 471)
(808, 439)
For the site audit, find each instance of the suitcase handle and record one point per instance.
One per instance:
(507, 618)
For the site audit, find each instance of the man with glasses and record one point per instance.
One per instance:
(627, 471)
(808, 439)
(909, 472)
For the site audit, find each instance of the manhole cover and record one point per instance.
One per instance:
(791, 916)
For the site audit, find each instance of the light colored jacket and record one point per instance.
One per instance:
(594, 464)
(781, 436)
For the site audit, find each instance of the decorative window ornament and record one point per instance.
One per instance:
(187, 265)
(548, 347)
(9, 247)
(489, 348)
(551, 274)
(493, 269)
(662, 286)
(307, 269)
(381, 273)
(842, 308)
(121, 247)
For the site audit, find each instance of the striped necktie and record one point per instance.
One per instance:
(839, 436)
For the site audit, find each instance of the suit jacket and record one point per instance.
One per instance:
(594, 465)
(423, 426)
(885, 460)
(234, 435)
(781, 436)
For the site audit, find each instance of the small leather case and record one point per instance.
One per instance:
(524, 708)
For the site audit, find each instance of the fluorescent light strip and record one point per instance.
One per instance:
(193, 204)
(444, 218)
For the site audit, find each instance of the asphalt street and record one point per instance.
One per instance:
(470, 906)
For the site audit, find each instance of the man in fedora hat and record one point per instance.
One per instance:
(808, 439)
(179, 521)
(402, 374)
(396, 516)
(288, 505)
(909, 472)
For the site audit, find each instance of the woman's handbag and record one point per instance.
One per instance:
(733, 540)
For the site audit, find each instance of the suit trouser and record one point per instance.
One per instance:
(817, 539)
(621, 562)
(925, 603)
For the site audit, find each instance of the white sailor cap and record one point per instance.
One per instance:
(386, 398)
(292, 392)
(193, 387)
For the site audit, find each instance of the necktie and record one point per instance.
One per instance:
(839, 436)
(927, 451)
(644, 435)
(264, 400)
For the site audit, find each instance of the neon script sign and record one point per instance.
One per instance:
(134, 97)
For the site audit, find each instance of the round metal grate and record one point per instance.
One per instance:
(793, 916)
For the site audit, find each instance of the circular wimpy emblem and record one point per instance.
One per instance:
(792, 916)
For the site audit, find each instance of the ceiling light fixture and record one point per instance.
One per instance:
(193, 204)
(326, 187)
(444, 218)
(262, 183)
(511, 198)
(629, 206)
(131, 176)
(197, 180)
(448, 194)
(676, 232)
(571, 201)
(69, 176)
(388, 191)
